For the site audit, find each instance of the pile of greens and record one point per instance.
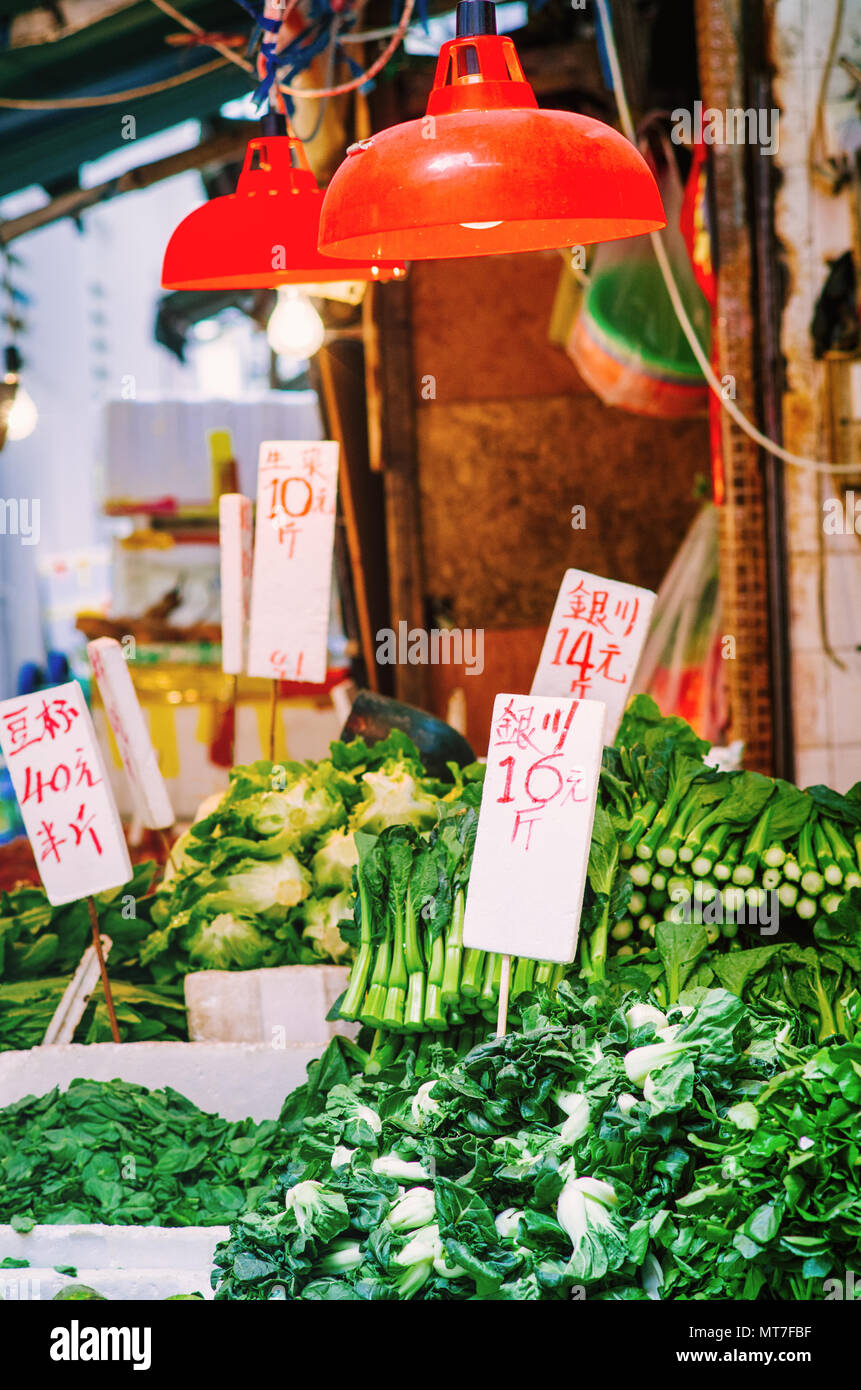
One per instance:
(41, 947)
(265, 879)
(689, 865)
(115, 1152)
(601, 1150)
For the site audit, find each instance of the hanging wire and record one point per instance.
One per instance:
(770, 445)
(356, 82)
(226, 55)
(324, 101)
(72, 103)
(194, 28)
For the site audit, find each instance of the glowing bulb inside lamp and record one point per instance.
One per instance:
(22, 416)
(480, 226)
(295, 329)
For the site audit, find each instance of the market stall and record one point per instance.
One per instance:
(419, 880)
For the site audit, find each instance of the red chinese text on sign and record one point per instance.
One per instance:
(297, 483)
(594, 641)
(532, 847)
(50, 747)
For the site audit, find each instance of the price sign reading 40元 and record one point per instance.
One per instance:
(49, 744)
(537, 807)
(594, 642)
(297, 484)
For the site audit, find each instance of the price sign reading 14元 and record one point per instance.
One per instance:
(535, 827)
(594, 642)
(294, 535)
(50, 748)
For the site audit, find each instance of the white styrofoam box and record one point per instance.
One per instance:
(287, 1003)
(236, 1080)
(133, 1262)
(156, 449)
(133, 1285)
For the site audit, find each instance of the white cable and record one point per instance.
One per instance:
(770, 445)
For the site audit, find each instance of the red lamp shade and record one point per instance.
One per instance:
(265, 234)
(486, 171)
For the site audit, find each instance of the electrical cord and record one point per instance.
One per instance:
(770, 445)
(73, 103)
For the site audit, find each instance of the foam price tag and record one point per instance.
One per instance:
(50, 747)
(594, 642)
(535, 827)
(234, 537)
(126, 719)
(294, 535)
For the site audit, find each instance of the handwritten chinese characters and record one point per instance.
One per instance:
(594, 642)
(50, 748)
(532, 848)
(294, 535)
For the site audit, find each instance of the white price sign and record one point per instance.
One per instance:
(594, 642)
(235, 541)
(129, 727)
(50, 747)
(297, 483)
(535, 827)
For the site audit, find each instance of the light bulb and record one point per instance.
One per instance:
(22, 416)
(295, 329)
(480, 226)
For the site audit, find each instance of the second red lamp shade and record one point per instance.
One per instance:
(265, 234)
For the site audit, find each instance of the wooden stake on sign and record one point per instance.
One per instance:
(235, 548)
(76, 996)
(502, 1010)
(103, 969)
(273, 715)
(166, 846)
(234, 700)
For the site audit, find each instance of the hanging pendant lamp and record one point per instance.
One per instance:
(265, 234)
(486, 171)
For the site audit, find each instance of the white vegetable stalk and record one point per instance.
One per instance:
(642, 1060)
(416, 1209)
(582, 1204)
(626, 1102)
(371, 1118)
(641, 1014)
(341, 1156)
(507, 1223)
(341, 1257)
(576, 1107)
(424, 1245)
(391, 1166)
(423, 1104)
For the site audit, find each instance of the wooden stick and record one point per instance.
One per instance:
(502, 1010)
(273, 714)
(103, 969)
(166, 846)
(76, 997)
(234, 700)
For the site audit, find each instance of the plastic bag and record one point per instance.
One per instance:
(626, 341)
(681, 665)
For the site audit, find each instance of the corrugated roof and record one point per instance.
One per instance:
(125, 50)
